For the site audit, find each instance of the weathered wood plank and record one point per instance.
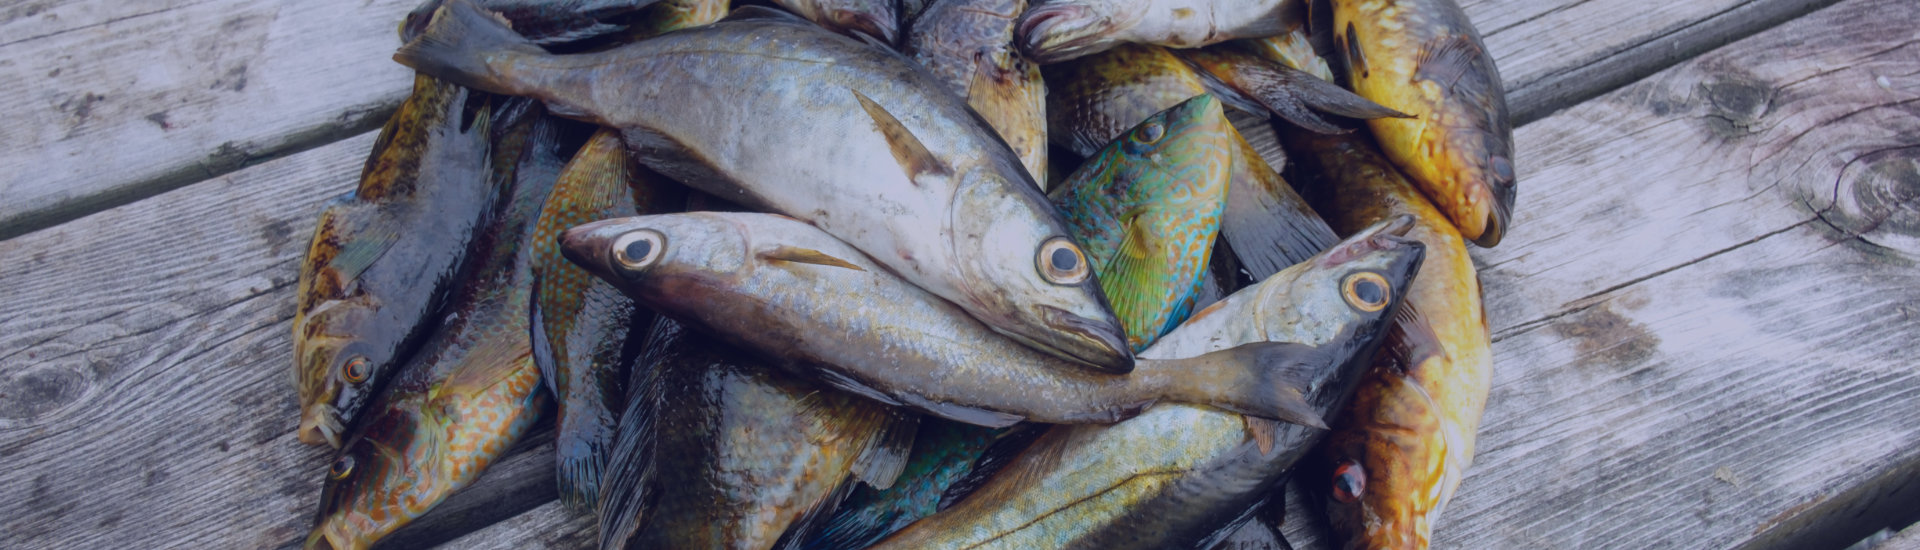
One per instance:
(1705, 309)
(1557, 54)
(1908, 539)
(110, 101)
(267, 79)
(549, 526)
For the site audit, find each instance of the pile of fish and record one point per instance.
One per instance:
(917, 273)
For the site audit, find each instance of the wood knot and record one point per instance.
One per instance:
(1876, 202)
(1735, 104)
(37, 390)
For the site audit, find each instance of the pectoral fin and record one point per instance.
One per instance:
(797, 255)
(913, 156)
(885, 455)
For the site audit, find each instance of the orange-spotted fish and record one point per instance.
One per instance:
(1146, 208)
(1400, 449)
(384, 257)
(580, 325)
(471, 391)
(1424, 58)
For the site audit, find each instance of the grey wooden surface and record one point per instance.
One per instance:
(1699, 313)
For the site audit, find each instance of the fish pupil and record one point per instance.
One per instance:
(639, 249)
(1064, 260)
(1370, 292)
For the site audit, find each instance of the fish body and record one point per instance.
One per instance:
(1396, 456)
(944, 453)
(467, 396)
(1146, 208)
(1294, 48)
(842, 135)
(1061, 30)
(741, 453)
(811, 303)
(580, 324)
(878, 19)
(1180, 476)
(1101, 96)
(1423, 57)
(384, 257)
(969, 45)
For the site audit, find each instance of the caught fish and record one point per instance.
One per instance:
(1399, 451)
(944, 454)
(545, 22)
(969, 45)
(780, 287)
(877, 19)
(1289, 93)
(1147, 209)
(469, 394)
(847, 137)
(580, 324)
(1293, 47)
(1180, 476)
(1061, 30)
(382, 258)
(1424, 57)
(735, 454)
(1099, 97)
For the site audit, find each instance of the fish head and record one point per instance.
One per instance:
(370, 484)
(1061, 30)
(341, 353)
(878, 19)
(1169, 141)
(1020, 261)
(1344, 298)
(668, 262)
(1383, 474)
(1479, 163)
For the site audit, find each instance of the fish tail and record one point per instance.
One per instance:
(580, 451)
(1267, 379)
(458, 44)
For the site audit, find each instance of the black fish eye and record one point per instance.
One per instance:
(341, 468)
(639, 249)
(1064, 260)
(1366, 291)
(1502, 168)
(355, 369)
(1152, 132)
(1060, 262)
(1349, 482)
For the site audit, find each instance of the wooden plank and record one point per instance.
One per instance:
(282, 76)
(1705, 310)
(1558, 54)
(111, 101)
(549, 526)
(1908, 539)
(145, 388)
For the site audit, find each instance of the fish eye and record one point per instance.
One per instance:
(1061, 262)
(355, 370)
(341, 468)
(1502, 168)
(1366, 291)
(639, 249)
(1349, 482)
(1151, 132)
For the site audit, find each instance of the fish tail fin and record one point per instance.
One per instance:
(580, 450)
(457, 44)
(1268, 379)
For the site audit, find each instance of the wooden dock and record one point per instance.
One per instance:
(1706, 315)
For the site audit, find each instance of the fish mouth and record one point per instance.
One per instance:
(1058, 32)
(884, 29)
(587, 245)
(1494, 228)
(320, 426)
(1099, 345)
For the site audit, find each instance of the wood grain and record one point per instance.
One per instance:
(1705, 310)
(549, 526)
(1908, 539)
(110, 101)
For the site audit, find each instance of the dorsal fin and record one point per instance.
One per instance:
(794, 254)
(1356, 60)
(913, 156)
